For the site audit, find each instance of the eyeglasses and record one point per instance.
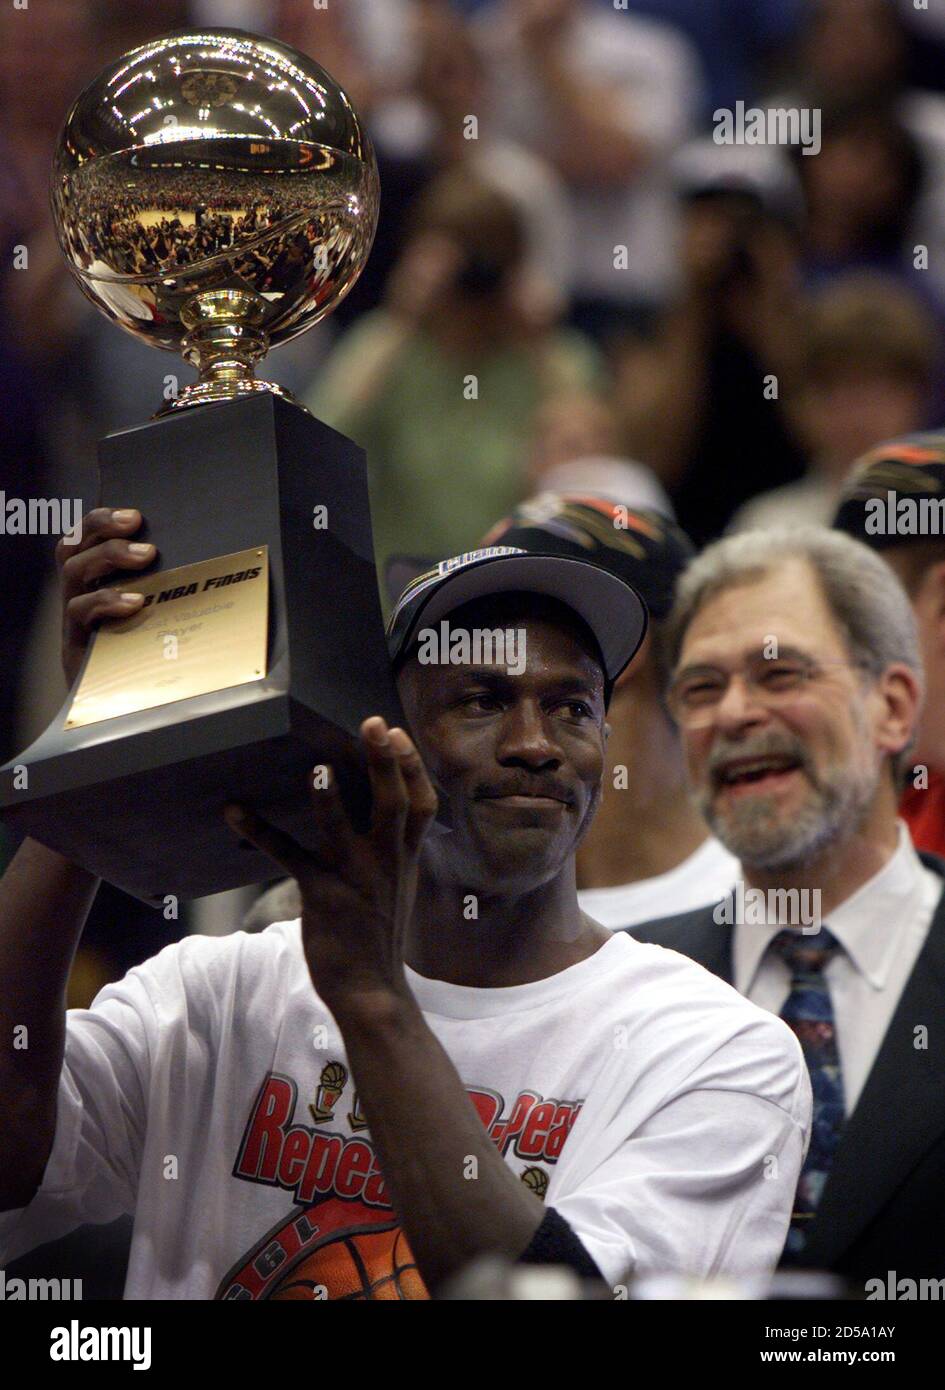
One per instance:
(773, 682)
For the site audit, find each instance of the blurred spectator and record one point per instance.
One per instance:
(850, 50)
(371, 48)
(426, 131)
(736, 39)
(702, 402)
(366, 45)
(604, 97)
(876, 191)
(871, 349)
(441, 386)
(911, 469)
(575, 449)
(569, 427)
(861, 192)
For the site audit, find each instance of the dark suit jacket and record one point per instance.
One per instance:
(883, 1206)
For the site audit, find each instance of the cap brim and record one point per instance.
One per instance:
(614, 612)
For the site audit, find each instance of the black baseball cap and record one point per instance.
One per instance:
(611, 608)
(638, 545)
(910, 467)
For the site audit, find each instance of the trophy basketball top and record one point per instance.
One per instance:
(215, 193)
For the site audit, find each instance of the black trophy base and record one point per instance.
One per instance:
(137, 799)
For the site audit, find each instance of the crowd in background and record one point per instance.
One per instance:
(716, 330)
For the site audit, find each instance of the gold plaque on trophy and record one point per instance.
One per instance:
(203, 627)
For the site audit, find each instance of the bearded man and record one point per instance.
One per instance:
(797, 685)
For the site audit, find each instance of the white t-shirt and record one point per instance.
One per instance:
(208, 1093)
(705, 877)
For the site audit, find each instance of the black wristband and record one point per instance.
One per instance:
(554, 1243)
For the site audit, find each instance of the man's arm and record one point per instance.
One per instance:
(359, 368)
(455, 1194)
(44, 902)
(44, 898)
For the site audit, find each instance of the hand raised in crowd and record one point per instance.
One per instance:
(707, 247)
(106, 546)
(426, 269)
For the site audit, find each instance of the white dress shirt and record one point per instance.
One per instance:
(881, 929)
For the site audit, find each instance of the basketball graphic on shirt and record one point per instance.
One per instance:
(331, 1083)
(536, 1180)
(339, 1237)
(376, 1264)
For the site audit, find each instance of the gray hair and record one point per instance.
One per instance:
(868, 602)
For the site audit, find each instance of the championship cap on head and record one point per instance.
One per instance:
(638, 545)
(612, 610)
(909, 468)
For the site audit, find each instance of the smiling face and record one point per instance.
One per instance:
(517, 759)
(779, 785)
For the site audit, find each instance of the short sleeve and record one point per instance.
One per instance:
(704, 1186)
(91, 1175)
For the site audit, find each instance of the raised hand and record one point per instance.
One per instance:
(357, 890)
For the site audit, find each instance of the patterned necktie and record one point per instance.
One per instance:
(808, 1012)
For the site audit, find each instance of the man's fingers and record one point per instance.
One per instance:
(280, 847)
(85, 609)
(335, 834)
(100, 546)
(97, 526)
(388, 793)
(92, 562)
(421, 797)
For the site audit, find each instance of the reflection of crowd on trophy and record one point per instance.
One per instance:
(167, 241)
(177, 219)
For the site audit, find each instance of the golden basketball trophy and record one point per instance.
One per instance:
(215, 194)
